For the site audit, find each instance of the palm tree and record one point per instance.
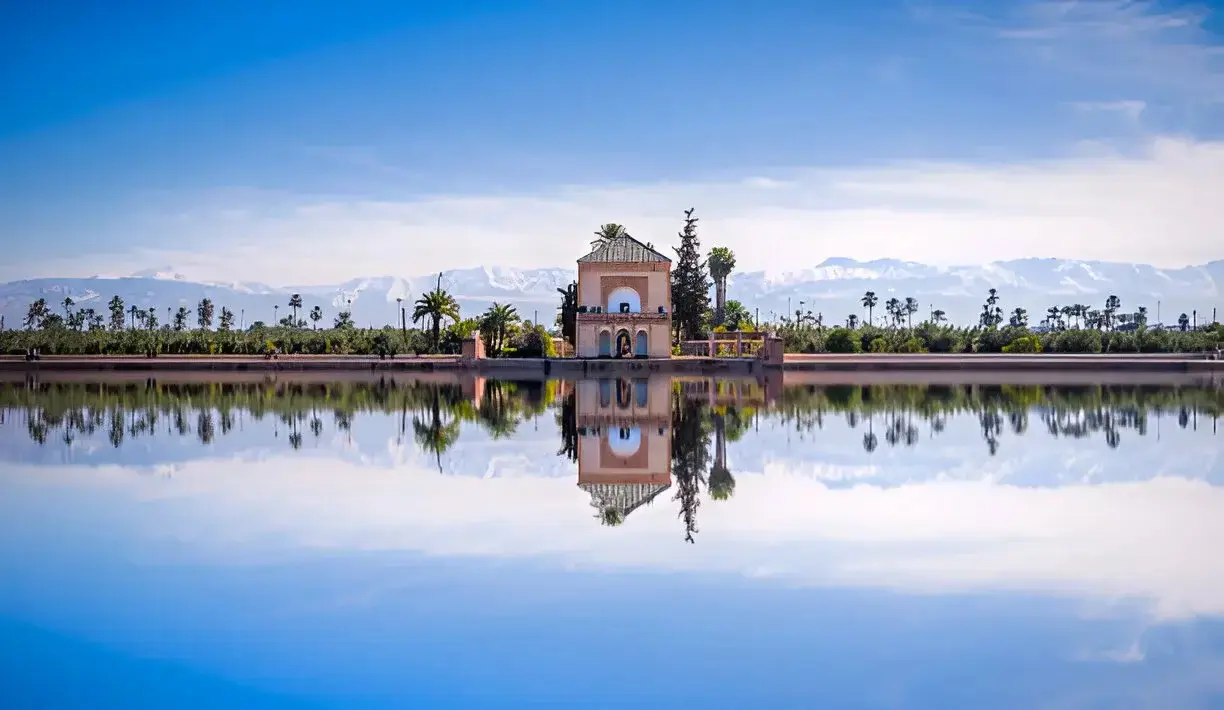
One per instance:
(869, 302)
(911, 307)
(720, 263)
(608, 232)
(852, 321)
(495, 323)
(1052, 314)
(316, 315)
(1019, 318)
(133, 311)
(37, 314)
(939, 316)
(1112, 304)
(893, 306)
(1183, 322)
(1141, 316)
(295, 302)
(180, 318)
(68, 304)
(434, 306)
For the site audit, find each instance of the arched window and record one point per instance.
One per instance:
(640, 347)
(640, 393)
(626, 295)
(605, 343)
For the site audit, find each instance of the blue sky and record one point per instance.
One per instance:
(312, 142)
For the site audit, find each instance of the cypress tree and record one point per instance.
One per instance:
(690, 285)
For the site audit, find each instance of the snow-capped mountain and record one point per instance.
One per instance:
(833, 288)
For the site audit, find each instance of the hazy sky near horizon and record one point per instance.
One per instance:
(311, 142)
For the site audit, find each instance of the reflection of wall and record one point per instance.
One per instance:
(627, 399)
(624, 441)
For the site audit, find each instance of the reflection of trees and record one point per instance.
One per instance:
(1074, 412)
(690, 458)
(567, 423)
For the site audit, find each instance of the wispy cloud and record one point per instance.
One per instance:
(1165, 52)
(1131, 109)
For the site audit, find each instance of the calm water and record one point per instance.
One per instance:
(640, 543)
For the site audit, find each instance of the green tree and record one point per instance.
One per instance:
(690, 286)
(316, 315)
(227, 319)
(344, 319)
(180, 318)
(938, 316)
(567, 317)
(911, 307)
(133, 311)
(494, 325)
(435, 306)
(117, 317)
(1019, 318)
(295, 302)
(895, 310)
(151, 318)
(736, 316)
(870, 301)
(1112, 304)
(721, 263)
(36, 314)
(68, 303)
(1183, 322)
(204, 314)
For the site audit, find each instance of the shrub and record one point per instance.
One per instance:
(913, 345)
(841, 340)
(1023, 344)
(878, 345)
(1078, 341)
(533, 342)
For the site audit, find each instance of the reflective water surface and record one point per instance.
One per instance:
(657, 542)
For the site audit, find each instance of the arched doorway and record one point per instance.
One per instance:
(624, 344)
(640, 347)
(605, 344)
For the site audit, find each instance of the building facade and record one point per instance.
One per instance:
(624, 301)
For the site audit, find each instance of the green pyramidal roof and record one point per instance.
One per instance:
(621, 250)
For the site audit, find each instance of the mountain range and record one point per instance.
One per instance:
(832, 288)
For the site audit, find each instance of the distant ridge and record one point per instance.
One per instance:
(833, 287)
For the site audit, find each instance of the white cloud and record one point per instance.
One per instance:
(1148, 542)
(1158, 205)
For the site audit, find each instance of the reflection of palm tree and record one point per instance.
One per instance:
(722, 483)
(870, 440)
(435, 435)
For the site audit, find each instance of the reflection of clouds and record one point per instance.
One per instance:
(1150, 540)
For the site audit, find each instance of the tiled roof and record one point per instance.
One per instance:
(621, 250)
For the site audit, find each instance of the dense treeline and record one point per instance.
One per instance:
(931, 337)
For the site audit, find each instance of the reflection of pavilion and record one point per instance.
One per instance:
(624, 443)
